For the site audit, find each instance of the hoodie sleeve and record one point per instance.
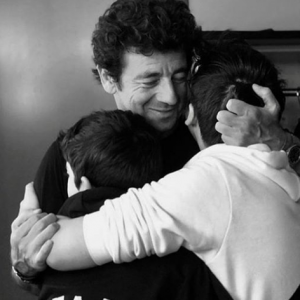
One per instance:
(161, 217)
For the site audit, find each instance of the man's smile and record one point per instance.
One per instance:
(164, 112)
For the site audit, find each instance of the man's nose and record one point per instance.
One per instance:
(167, 93)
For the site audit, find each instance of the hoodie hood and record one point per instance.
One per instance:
(260, 158)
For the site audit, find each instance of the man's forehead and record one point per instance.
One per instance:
(157, 62)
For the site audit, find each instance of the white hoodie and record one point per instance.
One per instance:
(237, 208)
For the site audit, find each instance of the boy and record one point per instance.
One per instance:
(111, 151)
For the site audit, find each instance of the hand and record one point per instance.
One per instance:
(244, 124)
(31, 234)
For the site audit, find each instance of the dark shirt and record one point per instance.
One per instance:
(181, 275)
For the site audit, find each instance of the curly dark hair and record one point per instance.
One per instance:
(142, 26)
(228, 68)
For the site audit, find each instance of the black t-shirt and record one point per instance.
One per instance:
(181, 275)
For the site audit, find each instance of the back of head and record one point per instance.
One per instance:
(141, 26)
(227, 69)
(113, 148)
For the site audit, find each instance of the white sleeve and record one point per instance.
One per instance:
(159, 218)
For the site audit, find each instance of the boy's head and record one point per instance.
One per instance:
(227, 69)
(111, 148)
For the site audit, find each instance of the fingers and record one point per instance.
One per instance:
(226, 118)
(228, 134)
(235, 130)
(20, 237)
(238, 107)
(46, 220)
(44, 230)
(270, 101)
(226, 125)
(44, 253)
(23, 217)
(30, 241)
(32, 227)
(21, 228)
(40, 245)
(223, 129)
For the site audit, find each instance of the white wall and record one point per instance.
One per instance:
(247, 14)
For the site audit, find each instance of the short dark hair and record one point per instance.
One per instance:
(228, 68)
(142, 26)
(113, 148)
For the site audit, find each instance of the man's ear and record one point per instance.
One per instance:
(191, 119)
(107, 81)
(84, 184)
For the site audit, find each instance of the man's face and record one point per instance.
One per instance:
(153, 87)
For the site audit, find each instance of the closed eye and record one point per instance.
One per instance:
(149, 84)
(180, 77)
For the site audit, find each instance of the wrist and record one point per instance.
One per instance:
(23, 278)
(24, 272)
(277, 138)
(289, 141)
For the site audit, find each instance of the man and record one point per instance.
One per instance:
(142, 51)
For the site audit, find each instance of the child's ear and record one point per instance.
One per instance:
(191, 119)
(107, 81)
(84, 184)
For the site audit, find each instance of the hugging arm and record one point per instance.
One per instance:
(30, 242)
(33, 236)
(146, 221)
(32, 230)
